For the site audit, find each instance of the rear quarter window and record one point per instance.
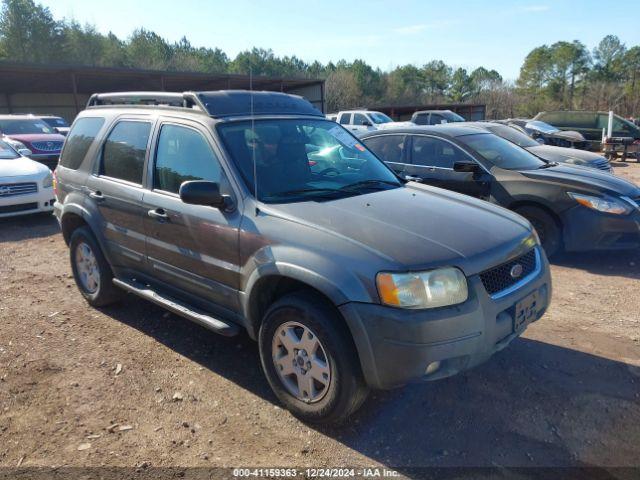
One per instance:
(124, 151)
(77, 144)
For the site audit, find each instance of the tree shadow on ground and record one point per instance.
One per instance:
(16, 229)
(533, 404)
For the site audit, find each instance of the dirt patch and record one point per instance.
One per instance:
(567, 393)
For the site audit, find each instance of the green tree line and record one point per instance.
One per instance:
(564, 75)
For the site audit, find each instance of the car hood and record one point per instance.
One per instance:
(561, 154)
(20, 167)
(418, 227)
(586, 179)
(38, 137)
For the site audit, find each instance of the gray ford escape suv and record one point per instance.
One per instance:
(251, 211)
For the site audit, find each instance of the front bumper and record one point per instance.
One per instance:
(586, 229)
(396, 346)
(40, 202)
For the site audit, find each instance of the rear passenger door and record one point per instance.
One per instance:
(192, 247)
(391, 150)
(432, 161)
(114, 190)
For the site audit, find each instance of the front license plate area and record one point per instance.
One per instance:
(526, 311)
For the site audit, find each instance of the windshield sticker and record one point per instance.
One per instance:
(359, 147)
(342, 136)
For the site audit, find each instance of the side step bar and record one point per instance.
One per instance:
(178, 307)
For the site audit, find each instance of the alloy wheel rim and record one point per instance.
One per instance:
(301, 362)
(87, 268)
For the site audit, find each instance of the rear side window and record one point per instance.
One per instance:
(345, 118)
(183, 154)
(387, 148)
(124, 151)
(433, 152)
(79, 141)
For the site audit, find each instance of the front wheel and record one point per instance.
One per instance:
(309, 359)
(546, 227)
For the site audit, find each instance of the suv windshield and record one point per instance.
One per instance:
(303, 159)
(501, 153)
(6, 152)
(513, 135)
(24, 126)
(378, 117)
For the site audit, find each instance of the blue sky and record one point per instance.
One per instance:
(468, 33)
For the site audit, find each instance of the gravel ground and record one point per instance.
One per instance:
(134, 385)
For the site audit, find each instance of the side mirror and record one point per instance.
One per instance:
(468, 167)
(367, 123)
(25, 152)
(202, 192)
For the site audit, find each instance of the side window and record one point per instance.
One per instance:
(437, 119)
(79, 141)
(183, 154)
(124, 150)
(345, 118)
(387, 148)
(422, 119)
(433, 152)
(360, 119)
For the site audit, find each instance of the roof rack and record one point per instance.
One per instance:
(217, 104)
(171, 99)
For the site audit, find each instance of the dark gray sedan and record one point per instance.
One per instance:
(549, 153)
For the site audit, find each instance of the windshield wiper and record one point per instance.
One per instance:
(549, 165)
(375, 184)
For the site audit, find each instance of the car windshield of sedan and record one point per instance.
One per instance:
(7, 153)
(56, 122)
(513, 135)
(501, 152)
(453, 117)
(24, 127)
(378, 118)
(303, 159)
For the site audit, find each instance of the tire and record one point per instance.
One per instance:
(97, 286)
(547, 228)
(308, 318)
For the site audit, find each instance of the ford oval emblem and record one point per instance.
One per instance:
(516, 271)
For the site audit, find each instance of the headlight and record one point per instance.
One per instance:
(430, 289)
(16, 144)
(603, 204)
(47, 182)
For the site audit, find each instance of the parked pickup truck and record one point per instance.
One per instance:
(363, 121)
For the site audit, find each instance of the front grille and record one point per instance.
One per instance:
(499, 278)
(18, 208)
(54, 146)
(13, 189)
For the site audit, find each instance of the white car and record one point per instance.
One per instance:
(363, 121)
(26, 186)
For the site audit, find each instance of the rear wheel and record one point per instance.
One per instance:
(91, 271)
(309, 359)
(546, 227)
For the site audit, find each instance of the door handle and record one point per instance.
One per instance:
(97, 195)
(411, 178)
(159, 214)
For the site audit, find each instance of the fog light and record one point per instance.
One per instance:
(432, 367)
